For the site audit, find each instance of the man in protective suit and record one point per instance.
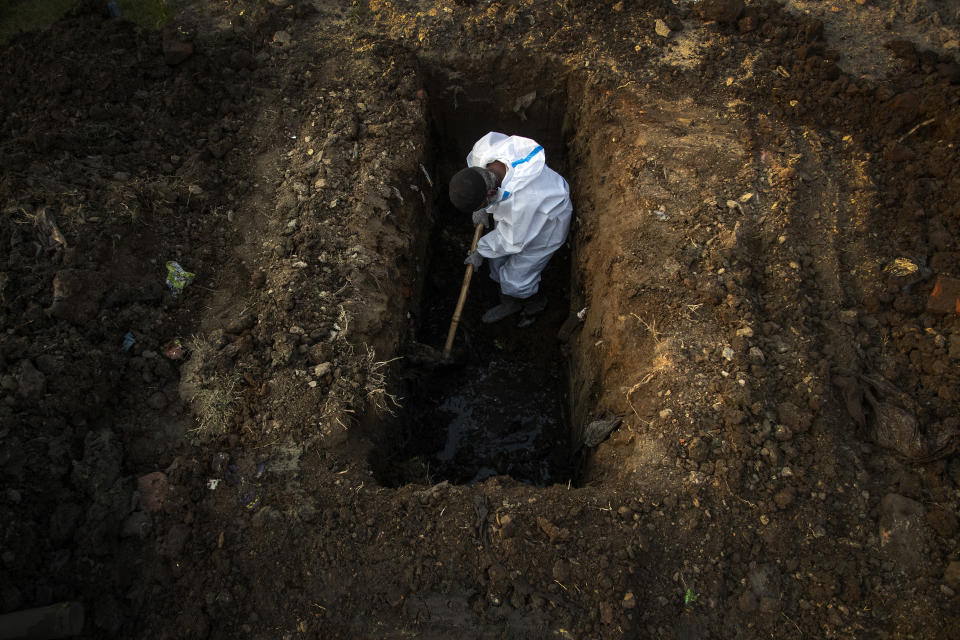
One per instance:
(507, 177)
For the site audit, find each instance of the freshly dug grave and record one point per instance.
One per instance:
(500, 407)
(757, 237)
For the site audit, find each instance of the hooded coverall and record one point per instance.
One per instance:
(532, 210)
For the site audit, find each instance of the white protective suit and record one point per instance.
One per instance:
(532, 211)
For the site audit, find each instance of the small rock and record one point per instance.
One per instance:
(282, 38)
(31, 384)
(951, 576)
(943, 522)
(661, 28)
(629, 601)
(137, 524)
(507, 527)
(954, 352)
(241, 323)
(157, 401)
(101, 463)
(153, 490)
(598, 430)
(121, 176)
(765, 581)
(561, 571)
(723, 11)
(947, 591)
(790, 415)
(782, 433)
(904, 50)
(698, 449)
(728, 353)
(175, 540)
(902, 532)
(848, 317)
(606, 613)
(63, 522)
(176, 51)
(552, 531)
(665, 413)
(783, 498)
(769, 605)
(745, 332)
(747, 24)
(756, 354)
(747, 602)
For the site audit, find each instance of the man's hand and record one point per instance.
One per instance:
(481, 216)
(475, 259)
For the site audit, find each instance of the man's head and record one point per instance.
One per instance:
(471, 188)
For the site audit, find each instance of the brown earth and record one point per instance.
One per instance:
(757, 236)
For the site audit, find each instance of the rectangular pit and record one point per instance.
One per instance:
(502, 406)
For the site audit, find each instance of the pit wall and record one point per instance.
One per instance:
(646, 171)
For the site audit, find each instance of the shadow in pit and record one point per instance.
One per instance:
(501, 407)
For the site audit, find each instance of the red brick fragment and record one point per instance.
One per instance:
(945, 297)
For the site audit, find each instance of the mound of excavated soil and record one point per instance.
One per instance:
(758, 301)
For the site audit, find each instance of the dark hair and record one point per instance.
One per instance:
(468, 190)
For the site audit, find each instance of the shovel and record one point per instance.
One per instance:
(463, 297)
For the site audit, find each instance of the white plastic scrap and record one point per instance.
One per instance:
(426, 175)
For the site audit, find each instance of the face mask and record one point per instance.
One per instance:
(490, 180)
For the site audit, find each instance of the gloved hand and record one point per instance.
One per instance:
(475, 259)
(481, 216)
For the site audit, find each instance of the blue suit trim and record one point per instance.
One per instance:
(537, 150)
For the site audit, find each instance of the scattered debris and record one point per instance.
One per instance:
(128, 341)
(178, 278)
(598, 430)
(173, 350)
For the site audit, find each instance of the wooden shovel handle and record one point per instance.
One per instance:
(463, 296)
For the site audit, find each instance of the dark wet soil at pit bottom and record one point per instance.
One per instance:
(500, 407)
